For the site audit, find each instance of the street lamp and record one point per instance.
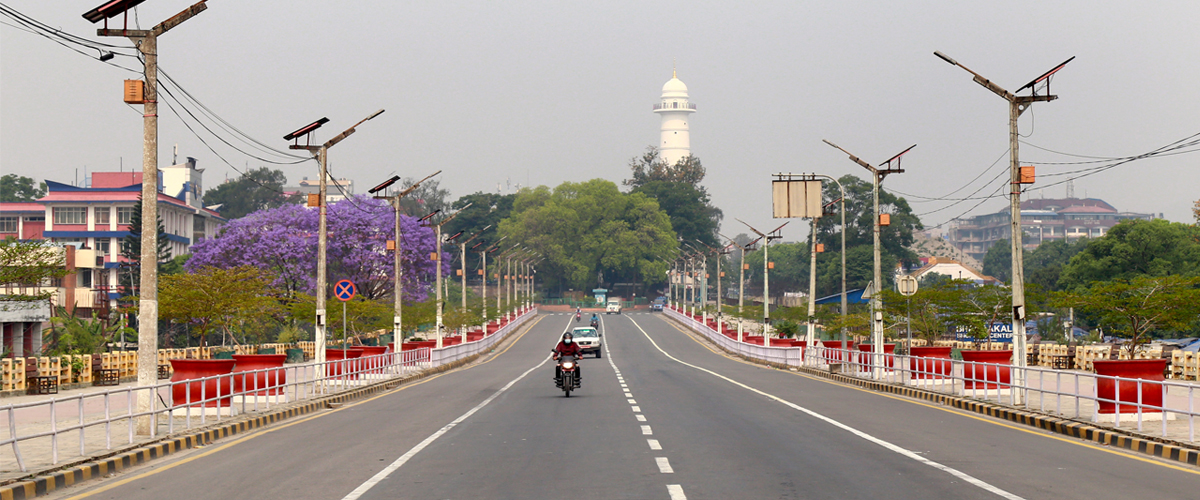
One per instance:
(1016, 106)
(321, 152)
(483, 273)
(741, 276)
(437, 257)
(397, 285)
(877, 175)
(766, 237)
(147, 44)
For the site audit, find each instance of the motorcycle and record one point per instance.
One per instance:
(595, 323)
(578, 316)
(568, 379)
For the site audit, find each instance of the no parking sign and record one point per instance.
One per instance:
(344, 290)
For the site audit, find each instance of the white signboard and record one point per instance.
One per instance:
(796, 199)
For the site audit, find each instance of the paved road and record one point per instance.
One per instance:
(661, 416)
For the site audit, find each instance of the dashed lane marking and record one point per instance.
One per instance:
(654, 444)
(640, 417)
(637, 409)
(664, 466)
(887, 445)
(676, 492)
(646, 430)
(632, 401)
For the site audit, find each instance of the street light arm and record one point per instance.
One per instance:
(338, 138)
(853, 158)
(987, 84)
(410, 189)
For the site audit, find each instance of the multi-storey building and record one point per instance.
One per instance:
(335, 189)
(94, 219)
(1042, 220)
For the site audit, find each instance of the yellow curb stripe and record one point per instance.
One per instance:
(1024, 418)
(284, 426)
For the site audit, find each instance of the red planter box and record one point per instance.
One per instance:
(934, 361)
(987, 377)
(889, 353)
(781, 342)
(193, 369)
(752, 339)
(837, 356)
(1150, 373)
(473, 336)
(268, 383)
(336, 367)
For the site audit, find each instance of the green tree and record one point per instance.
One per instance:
(1044, 265)
(255, 190)
(1136, 248)
(894, 238)
(1140, 306)
(69, 334)
(426, 198)
(692, 215)
(29, 264)
(131, 249)
(590, 232)
(216, 300)
(997, 262)
(15, 188)
(651, 167)
(486, 209)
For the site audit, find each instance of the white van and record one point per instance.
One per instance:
(613, 306)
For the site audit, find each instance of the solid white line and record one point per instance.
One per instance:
(637, 409)
(663, 465)
(646, 430)
(640, 417)
(676, 492)
(654, 444)
(897, 449)
(381, 475)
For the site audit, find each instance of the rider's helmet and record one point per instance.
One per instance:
(567, 338)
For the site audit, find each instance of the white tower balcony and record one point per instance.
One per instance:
(674, 109)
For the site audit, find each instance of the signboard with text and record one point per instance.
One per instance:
(1000, 332)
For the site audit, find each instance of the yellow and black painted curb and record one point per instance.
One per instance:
(46, 482)
(62, 477)
(1147, 445)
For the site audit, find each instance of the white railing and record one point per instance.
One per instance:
(1061, 393)
(40, 433)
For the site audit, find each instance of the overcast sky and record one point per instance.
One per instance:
(545, 92)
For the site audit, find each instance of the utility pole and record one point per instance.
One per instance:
(877, 174)
(741, 275)
(322, 154)
(1016, 106)
(398, 270)
(766, 237)
(463, 254)
(438, 258)
(147, 45)
(483, 272)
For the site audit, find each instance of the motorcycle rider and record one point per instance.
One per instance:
(578, 314)
(567, 347)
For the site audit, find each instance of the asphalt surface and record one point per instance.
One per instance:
(688, 423)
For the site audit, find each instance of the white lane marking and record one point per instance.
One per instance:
(654, 444)
(381, 475)
(663, 465)
(646, 430)
(629, 395)
(897, 449)
(632, 401)
(676, 492)
(637, 409)
(640, 417)
(623, 386)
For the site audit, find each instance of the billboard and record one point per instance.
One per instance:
(796, 199)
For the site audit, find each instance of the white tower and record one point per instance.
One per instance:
(674, 108)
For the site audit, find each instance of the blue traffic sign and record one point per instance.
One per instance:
(344, 290)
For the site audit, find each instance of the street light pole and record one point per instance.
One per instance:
(877, 175)
(766, 237)
(1016, 106)
(437, 257)
(398, 269)
(147, 45)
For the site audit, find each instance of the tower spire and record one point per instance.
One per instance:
(673, 75)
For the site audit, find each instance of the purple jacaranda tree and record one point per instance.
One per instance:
(284, 241)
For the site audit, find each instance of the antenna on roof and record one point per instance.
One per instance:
(1070, 189)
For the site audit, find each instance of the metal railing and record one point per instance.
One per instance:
(99, 422)
(1073, 395)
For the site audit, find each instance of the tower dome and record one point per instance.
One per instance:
(674, 108)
